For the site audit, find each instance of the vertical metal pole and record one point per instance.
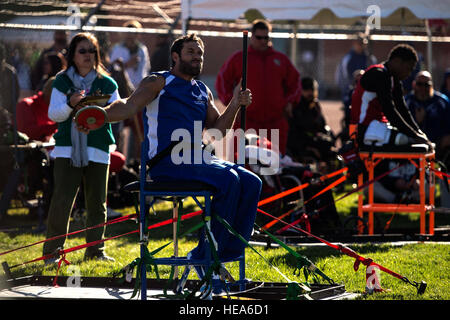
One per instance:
(293, 51)
(429, 47)
(143, 269)
(371, 168)
(431, 189)
(244, 74)
(143, 210)
(243, 127)
(241, 142)
(142, 241)
(422, 195)
(175, 234)
(208, 228)
(242, 272)
(360, 203)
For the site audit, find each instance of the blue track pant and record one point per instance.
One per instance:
(238, 192)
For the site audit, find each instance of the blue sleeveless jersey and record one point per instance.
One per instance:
(179, 105)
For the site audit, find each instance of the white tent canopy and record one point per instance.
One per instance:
(305, 10)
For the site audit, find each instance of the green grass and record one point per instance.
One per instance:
(423, 261)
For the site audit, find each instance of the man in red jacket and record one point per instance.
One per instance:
(273, 80)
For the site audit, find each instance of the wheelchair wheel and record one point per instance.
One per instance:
(287, 182)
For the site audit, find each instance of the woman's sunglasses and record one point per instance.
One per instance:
(83, 51)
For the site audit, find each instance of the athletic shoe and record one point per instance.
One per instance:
(99, 257)
(51, 261)
(112, 214)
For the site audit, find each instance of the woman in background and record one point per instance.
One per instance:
(52, 63)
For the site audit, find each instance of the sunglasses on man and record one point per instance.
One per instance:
(423, 84)
(262, 37)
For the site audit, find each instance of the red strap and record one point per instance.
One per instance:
(307, 223)
(82, 246)
(440, 174)
(119, 219)
(330, 186)
(61, 260)
(341, 248)
(169, 221)
(306, 232)
(271, 223)
(282, 194)
(298, 188)
(344, 196)
(330, 175)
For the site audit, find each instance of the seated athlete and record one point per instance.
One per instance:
(174, 100)
(378, 103)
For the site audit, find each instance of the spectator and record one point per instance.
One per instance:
(125, 87)
(32, 115)
(347, 104)
(31, 163)
(59, 45)
(431, 110)
(309, 137)
(19, 58)
(161, 57)
(9, 83)
(52, 63)
(135, 59)
(445, 88)
(273, 80)
(378, 101)
(357, 58)
(32, 120)
(133, 53)
(79, 155)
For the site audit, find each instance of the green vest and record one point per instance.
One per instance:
(101, 138)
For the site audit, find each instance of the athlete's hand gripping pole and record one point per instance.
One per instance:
(241, 143)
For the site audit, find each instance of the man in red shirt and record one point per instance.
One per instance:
(32, 118)
(273, 80)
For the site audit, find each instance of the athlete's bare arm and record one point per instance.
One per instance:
(146, 92)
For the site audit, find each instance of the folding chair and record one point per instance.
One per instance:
(174, 191)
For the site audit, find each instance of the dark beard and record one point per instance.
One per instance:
(189, 70)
